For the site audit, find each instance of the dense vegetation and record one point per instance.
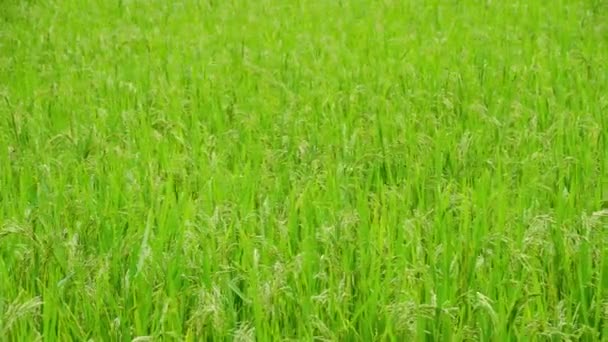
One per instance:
(305, 170)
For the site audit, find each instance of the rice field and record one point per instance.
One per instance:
(363, 170)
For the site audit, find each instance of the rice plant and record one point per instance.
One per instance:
(362, 170)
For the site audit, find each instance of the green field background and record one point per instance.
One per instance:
(303, 170)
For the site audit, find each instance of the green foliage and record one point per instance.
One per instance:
(305, 170)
